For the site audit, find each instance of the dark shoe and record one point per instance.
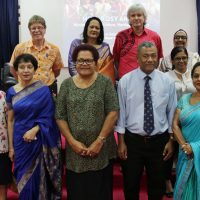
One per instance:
(169, 194)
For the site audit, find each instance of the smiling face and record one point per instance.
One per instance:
(25, 71)
(180, 39)
(37, 31)
(148, 59)
(136, 19)
(180, 62)
(93, 29)
(85, 64)
(196, 78)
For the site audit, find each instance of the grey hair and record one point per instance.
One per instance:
(145, 44)
(137, 7)
(36, 19)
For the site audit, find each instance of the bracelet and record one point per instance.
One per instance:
(183, 145)
(103, 139)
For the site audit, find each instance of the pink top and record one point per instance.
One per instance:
(125, 48)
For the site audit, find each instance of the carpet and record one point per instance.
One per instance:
(117, 185)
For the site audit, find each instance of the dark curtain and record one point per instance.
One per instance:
(9, 29)
(198, 23)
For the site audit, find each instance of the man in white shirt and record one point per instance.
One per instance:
(147, 100)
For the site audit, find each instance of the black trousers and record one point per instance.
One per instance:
(144, 152)
(91, 185)
(169, 163)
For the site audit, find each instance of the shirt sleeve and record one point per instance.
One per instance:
(117, 48)
(3, 104)
(171, 107)
(71, 64)
(58, 64)
(162, 66)
(111, 100)
(15, 53)
(61, 104)
(180, 104)
(120, 128)
(159, 47)
(9, 97)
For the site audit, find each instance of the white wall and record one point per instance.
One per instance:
(175, 14)
(51, 10)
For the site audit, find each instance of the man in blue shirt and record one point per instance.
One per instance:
(147, 100)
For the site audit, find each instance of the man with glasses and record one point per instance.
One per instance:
(47, 54)
(180, 40)
(127, 41)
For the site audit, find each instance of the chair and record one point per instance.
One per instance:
(7, 78)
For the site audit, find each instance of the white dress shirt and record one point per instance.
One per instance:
(131, 100)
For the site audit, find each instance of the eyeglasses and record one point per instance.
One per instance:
(180, 37)
(86, 61)
(181, 58)
(39, 28)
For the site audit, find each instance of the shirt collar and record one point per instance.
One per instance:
(142, 75)
(45, 46)
(131, 32)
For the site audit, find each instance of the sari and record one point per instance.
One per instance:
(105, 64)
(188, 167)
(37, 164)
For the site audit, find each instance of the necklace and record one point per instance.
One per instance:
(84, 83)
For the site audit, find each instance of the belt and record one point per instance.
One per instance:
(146, 137)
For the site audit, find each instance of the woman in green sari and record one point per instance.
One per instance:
(186, 127)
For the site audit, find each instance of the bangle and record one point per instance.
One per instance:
(183, 145)
(103, 139)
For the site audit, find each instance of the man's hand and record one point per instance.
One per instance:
(168, 150)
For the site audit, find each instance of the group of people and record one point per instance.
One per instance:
(144, 112)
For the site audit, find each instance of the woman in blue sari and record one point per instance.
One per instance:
(34, 140)
(186, 128)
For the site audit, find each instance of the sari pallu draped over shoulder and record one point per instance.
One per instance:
(37, 164)
(188, 169)
(105, 64)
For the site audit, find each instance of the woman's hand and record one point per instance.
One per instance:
(95, 148)
(30, 135)
(187, 149)
(78, 147)
(11, 154)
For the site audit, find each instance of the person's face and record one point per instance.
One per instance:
(25, 71)
(93, 30)
(136, 19)
(180, 61)
(85, 64)
(180, 39)
(196, 78)
(148, 59)
(37, 31)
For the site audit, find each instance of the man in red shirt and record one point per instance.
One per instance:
(128, 40)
